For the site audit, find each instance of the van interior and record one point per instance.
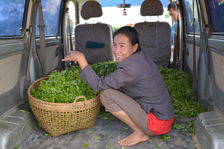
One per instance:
(35, 35)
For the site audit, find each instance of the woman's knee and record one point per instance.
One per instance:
(108, 99)
(105, 95)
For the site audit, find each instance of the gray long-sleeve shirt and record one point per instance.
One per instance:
(138, 77)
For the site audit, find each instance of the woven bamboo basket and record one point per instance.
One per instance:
(61, 118)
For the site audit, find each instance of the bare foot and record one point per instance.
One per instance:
(133, 139)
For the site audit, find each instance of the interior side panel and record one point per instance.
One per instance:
(53, 52)
(52, 57)
(188, 54)
(9, 72)
(10, 64)
(216, 80)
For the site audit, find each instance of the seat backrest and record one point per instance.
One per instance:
(155, 37)
(94, 40)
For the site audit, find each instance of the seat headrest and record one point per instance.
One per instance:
(151, 8)
(91, 9)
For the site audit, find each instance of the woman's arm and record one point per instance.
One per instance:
(121, 77)
(78, 57)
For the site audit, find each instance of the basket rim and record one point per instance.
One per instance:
(52, 103)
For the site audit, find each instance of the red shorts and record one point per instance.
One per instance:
(157, 126)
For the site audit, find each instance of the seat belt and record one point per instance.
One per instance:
(194, 77)
(70, 32)
(70, 38)
(42, 39)
(176, 55)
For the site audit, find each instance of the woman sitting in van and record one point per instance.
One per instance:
(135, 92)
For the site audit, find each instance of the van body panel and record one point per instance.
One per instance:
(11, 54)
(15, 126)
(209, 129)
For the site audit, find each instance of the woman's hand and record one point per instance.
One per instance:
(76, 56)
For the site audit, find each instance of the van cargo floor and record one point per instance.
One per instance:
(104, 135)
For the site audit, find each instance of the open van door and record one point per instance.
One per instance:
(27, 53)
(203, 42)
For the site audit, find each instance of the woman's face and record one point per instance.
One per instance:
(122, 47)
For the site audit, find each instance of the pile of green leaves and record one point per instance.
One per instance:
(179, 85)
(66, 85)
(104, 68)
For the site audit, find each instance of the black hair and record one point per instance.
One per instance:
(132, 35)
(172, 5)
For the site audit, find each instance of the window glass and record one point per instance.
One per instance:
(72, 16)
(11, 17)
(217, 15)
(51, 10)
(113, 3)
(190, 16)
(118, 17)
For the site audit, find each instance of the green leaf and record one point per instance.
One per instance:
(158, 145)
(38, 126)
(97, 138)
(22, 110)
(86, 145)
(165, 137)
(47, 134)
(109, 136)
(109, 145)
(17, 147)
(89, 131)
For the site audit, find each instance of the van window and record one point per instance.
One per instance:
(217, 15)
(130, 18)
(11, 17)
(190, 15)
(72, 16)
(51, 9)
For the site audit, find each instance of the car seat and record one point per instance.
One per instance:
(94, 40)
(155, 37)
